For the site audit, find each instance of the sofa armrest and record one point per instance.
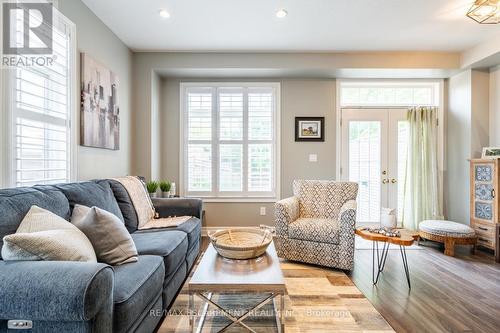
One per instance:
(347, 216)
(166, 207)
(55, 290)
(286, 211)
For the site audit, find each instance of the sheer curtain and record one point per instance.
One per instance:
(421, 191)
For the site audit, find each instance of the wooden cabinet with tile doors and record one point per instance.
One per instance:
(484, 200)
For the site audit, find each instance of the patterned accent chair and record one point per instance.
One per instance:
(316, 225)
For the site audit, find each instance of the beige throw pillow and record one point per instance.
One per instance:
(43, 235)
(112, 242)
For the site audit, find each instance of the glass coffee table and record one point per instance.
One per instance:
(217, 275)
(407, 238)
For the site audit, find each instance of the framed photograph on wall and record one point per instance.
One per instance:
(310, 129)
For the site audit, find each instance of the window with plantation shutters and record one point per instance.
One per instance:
(40, 104)
(229, 140)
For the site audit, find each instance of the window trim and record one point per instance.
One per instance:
(7, 120)
(230, 197)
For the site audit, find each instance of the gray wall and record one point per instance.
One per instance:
(495, 106)
(298, 98)
(468, 129)
(94, 38)
(456, 192)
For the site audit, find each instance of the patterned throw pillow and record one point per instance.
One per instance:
(112, 242)
(43, 235)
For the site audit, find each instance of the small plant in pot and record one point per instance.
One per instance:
(152, 187)
(165, 188)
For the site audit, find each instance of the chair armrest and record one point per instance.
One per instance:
(55, 290)
(347, 216)
(286, 211)
(178, 207)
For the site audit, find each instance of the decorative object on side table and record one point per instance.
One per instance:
(165, 187)
(490, 153)
(245, 243)
(99, 111)
(310, 129)
(152, 187)
(402, 239)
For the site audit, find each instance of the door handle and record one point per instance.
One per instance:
(493, 193)
(394, 180)
(385, 181)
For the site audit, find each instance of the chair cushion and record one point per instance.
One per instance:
(137, 285)
(315, 230)
(446, 228)
(172, 245)
(323, 198)
(191, 227)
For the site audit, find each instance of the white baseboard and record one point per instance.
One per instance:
(205, 230)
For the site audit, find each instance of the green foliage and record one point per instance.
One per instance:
(165, 186)
(152, 186)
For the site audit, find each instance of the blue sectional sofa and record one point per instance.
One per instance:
(89, 297)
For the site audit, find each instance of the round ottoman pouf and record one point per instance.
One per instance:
(449, 233)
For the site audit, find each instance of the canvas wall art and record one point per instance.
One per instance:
(100, 113)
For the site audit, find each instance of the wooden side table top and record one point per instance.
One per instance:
(407, 237)
(217, 274)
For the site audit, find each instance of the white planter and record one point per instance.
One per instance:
(153, 195)
(165, 194)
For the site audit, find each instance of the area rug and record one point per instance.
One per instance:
(318, 300)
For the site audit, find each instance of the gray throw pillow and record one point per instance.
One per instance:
(112, 242)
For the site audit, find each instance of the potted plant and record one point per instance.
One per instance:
(152, 187)
(165, 188)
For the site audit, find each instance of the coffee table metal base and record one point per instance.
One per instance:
(382, 258)
(197, 327)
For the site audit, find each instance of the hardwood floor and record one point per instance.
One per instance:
(449, 294)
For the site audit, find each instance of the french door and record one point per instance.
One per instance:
(374, 149)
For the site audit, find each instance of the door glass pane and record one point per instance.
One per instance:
(365, 167)
(403, 131)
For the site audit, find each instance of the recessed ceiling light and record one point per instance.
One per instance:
(281, 13)
(164, 13)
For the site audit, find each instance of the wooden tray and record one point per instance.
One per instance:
(244, 243)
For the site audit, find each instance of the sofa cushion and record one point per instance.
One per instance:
(125, 204)
(137, 285)
(90, 194)
(16, 202)
(172, 245)
(315, 230)
(191, 227)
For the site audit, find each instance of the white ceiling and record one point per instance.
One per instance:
(311, 25)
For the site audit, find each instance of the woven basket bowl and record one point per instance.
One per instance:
(245, 243)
